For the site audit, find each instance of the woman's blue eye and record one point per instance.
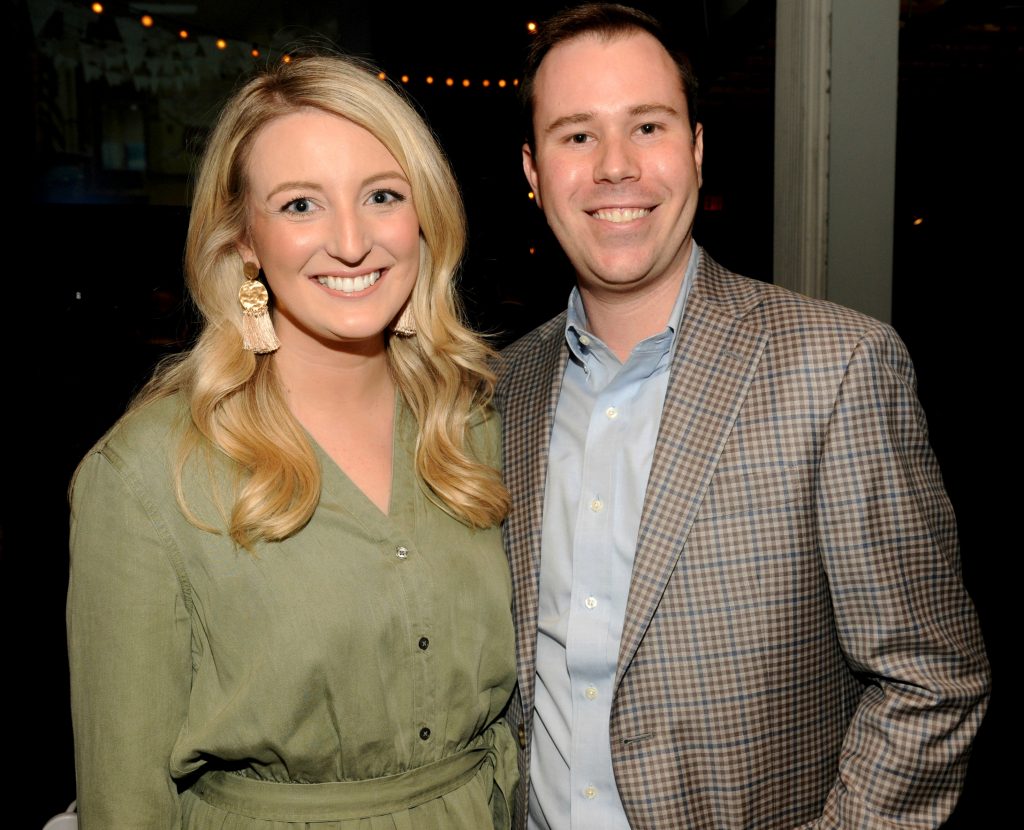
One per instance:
(300, 205)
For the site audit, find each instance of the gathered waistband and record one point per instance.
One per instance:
(340, 800)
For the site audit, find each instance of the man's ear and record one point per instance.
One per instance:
(698, 151)
(530, 169)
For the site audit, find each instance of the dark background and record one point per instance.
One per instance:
(93, 246)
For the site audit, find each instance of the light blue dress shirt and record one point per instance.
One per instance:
(602, 443)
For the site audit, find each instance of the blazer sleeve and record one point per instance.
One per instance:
(129, 647)
(908, 629)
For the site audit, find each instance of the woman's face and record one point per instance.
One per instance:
(333, 226)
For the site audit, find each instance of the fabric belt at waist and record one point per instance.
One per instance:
(340, 800)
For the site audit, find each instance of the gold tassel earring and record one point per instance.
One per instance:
(405, 325)
(258, 333)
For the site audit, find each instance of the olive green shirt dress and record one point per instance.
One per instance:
(351, 676)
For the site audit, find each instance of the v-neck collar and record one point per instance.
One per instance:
(338, 489)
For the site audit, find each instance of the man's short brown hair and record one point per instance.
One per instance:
(605, 20)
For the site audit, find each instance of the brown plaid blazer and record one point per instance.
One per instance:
(798, 649)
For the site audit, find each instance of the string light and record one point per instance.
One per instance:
(531, 27)
(405, 79)
(464, 83)
(147, 21)
(530, 195)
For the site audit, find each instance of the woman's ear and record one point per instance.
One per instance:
(246, 252)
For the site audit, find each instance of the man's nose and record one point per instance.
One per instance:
(617, 160)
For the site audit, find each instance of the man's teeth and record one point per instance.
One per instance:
(349, 285)
(621, 214)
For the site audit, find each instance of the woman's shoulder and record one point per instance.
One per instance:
(132, 464)
(146, 436)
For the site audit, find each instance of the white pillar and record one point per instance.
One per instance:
(836, 77)
(802, 53)
(862, 153)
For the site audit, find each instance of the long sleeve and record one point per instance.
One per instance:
(362, 646)
(130, 652)
(906, 625)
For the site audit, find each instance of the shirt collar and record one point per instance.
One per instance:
(580, 339)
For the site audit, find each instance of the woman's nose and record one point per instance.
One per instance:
(349, 240)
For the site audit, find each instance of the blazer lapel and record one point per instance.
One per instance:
(530, 405)
(718, 348)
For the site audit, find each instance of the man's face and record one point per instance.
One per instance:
(616, 168)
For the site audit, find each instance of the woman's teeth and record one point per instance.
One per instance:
(350, 285)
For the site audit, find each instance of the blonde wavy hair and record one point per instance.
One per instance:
(235, 400)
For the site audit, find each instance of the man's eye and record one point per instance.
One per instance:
(579, 138)
(647, 129)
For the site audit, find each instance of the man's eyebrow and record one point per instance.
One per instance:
(634, 112)
(568, 121)
(648, 109)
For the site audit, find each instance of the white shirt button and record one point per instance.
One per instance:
(584, 340)
(597, 505)
(402, 552)
(611, 412)
(591, 693)
(590, 792)
(590, 602)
